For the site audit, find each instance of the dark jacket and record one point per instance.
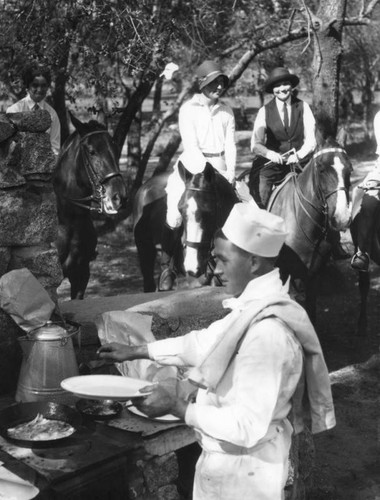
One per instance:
(278, 139)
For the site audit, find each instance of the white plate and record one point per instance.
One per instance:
(114, 387)
(163, 418)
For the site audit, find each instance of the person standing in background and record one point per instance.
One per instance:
(37, 80)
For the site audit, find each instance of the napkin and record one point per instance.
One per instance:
(132, 328)
(13, 487)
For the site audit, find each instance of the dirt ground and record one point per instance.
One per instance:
(347, 457)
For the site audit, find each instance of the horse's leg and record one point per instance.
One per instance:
(311, 287)
(79, 278)
(147, 255)
(76, 266)
(364, 282)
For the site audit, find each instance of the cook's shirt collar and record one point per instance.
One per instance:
(258, 289)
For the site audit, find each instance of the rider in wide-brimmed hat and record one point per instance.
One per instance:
(285, 123)
(207, 128)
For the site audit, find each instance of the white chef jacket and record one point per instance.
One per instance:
(258, 138)
(203, 129)
(27, 104)
(242, 427)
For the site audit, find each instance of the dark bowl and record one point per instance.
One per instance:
(20, 413)
(103, 409)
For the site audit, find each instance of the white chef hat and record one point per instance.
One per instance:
(255, 230)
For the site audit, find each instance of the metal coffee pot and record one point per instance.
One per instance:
(48, 358)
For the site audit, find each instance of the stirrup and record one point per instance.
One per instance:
(360, 262)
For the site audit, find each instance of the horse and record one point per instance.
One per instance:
(86, 179)
(313, 203)
(364, 278)
(204, 206)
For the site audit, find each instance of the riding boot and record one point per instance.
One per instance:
(169, 240)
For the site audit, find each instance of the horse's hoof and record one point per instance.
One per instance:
(166, 280)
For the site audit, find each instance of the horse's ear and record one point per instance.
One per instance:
(79, 126)
(209, 172)
(341, 137)
(184, 173)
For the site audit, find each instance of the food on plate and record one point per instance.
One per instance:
(41, 429)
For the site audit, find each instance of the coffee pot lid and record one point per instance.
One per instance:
(49, 331)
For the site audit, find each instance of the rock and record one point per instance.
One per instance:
(37, 156)
(28, 216)
(42, 261)
(5, 257)
(31, 121)
(7, 130)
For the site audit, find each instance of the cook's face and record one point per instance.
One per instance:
(215, 88)
(38, 89)
(282, 90)
(233, 267)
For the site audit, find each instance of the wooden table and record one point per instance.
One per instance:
(99, 461)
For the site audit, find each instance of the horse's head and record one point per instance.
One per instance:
(97, 173)
(204, 206)
(333, 168)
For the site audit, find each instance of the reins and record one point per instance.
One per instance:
(97, 182)
(323, 209)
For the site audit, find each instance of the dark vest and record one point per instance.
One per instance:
(277, 138)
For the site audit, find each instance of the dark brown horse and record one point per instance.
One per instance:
(204, 206)
(374, 249)
(86, 179)
(313, 203)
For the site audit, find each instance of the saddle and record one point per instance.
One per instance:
(152, 190)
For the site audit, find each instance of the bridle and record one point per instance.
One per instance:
(323, 208)
(209, 243)
(97, 182)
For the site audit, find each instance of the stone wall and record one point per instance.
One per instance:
(28, 219)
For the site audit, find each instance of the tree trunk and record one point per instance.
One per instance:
(134, 149)
(328, 26)
(157, 97)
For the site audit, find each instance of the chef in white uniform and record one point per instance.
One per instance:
(247, 367)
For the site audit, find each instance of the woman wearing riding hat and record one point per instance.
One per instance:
(207, 128)
(284, 123)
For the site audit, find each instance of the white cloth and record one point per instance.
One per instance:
(242, 426)
(203, 129)
(27, 104)
(258, 138)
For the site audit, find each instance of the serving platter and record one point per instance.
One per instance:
(112, 387)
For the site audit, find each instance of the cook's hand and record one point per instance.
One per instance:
(275, 157)
(293, 158)
(243, 191)
(115, 352)
(230, 176)
(161, 398)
